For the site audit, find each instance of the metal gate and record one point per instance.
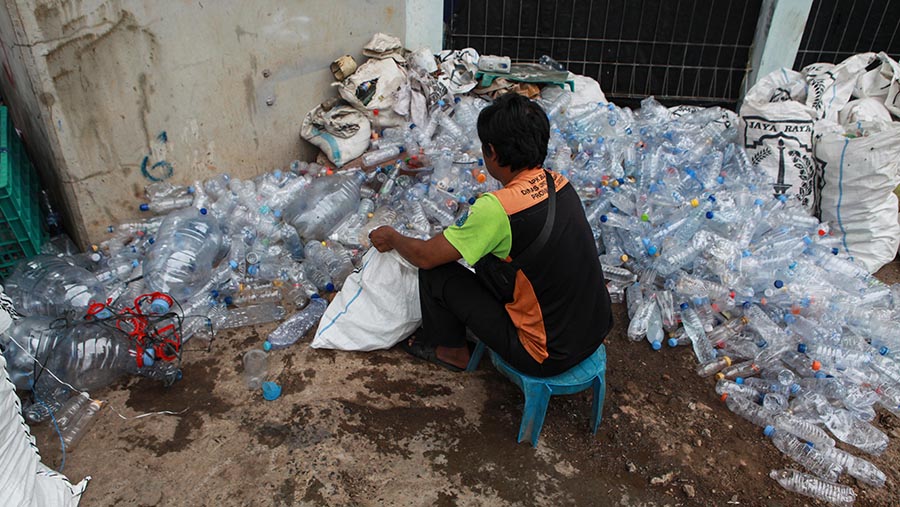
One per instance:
(680, 51)
(837, 29)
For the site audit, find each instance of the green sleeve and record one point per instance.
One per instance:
(485, 230)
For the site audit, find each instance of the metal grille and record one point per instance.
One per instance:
(837, 29)
(681, 51)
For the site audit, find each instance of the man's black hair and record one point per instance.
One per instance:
(518, 130)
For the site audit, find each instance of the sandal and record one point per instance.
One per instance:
(426, 352)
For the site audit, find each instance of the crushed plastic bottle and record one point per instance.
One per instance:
(297, 325)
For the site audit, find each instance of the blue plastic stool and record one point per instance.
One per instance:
(589, 373)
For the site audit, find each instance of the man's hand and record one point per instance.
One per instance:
(382, 238)
(421, 253)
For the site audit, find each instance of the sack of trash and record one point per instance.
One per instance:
(341, 131)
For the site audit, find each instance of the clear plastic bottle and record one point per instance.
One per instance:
(382, 155)
(165, 205)
(806, 455)
(858, 468)
(703, 349)
(250, 316)
(803, 429)
(45, 285)
(255, 297)
(857, 433)
(811, 486)
(298, 325)
(748, 410)
(320, 206)
(181, 260)
(79, 423)
(33, 337)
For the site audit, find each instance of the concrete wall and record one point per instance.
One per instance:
(113, 94)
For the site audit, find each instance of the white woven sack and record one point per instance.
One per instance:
(778, 135)
(377, 307)
(24, 480)
(860, 174)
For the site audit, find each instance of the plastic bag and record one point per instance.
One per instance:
(378, 306)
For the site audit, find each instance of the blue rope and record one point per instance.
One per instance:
(62, 444)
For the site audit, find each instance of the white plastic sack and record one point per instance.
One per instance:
(377, 307)
(860, 175)
(24, 480)
(372, 90)
(882, 83)
(340, 131)
(778, 136)
(587, 90)
(864, 110)
(778, 86)
(830, 86)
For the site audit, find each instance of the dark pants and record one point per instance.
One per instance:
(453, 299)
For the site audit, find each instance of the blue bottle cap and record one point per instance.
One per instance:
(604, 218)
(253, 269)
(143, 207)
(203, 211)
(233, 264)
(159, 306)
(673, 342)
(779, 284)
(801, 348)
(782, 198)
(329, 287)
(148, 357)
(214, 293)
(739, 380)
(656, 345)
(883, 351)
(834, 251)
(710, 215)
(191, 190)
(315, 296)
(789, 318)
(456, 100)
(652, 250)
(271, 391)
(402, 149)
(267, 345)
(720, 179)
(229, 300)
(795, 388)
(768, 431)
(471, 200)
(151, 240)
(820, 374)
(277, 213)
(684, 306)
(759, 202)
(807, 240)
(110, 228)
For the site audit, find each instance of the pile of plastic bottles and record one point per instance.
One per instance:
(692, 237)
(227, 253)
(803, 341)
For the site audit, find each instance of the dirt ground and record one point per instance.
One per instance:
(380, 428)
